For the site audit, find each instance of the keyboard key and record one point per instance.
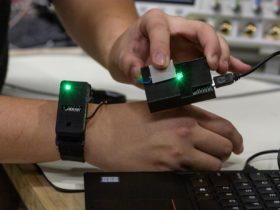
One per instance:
(230, 202)
(258, 176)
(262, 184)
(249, 199)
(253, 206)
(270, 196)
(274, 174)
(266, 190)
(238, 177)
(246, 192)
(202, 190)
(223, 189)
(243, 185)
(276, 180)
(226, 195)
(273, 204)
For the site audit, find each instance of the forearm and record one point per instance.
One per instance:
(96, 24)
(27, 130)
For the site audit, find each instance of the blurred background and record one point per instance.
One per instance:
(29, 22)
(42, 54)
(252, 27)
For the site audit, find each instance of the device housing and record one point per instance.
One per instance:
(192, 83)
(72, 109)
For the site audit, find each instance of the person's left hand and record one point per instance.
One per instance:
(157, 37)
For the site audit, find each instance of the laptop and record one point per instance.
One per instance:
(183, 191)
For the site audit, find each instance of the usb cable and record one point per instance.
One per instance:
(229, 78)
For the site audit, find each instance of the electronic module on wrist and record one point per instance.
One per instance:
(71, 119)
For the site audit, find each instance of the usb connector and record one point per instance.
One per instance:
(225, 79)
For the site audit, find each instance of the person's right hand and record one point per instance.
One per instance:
(127, 137)
(156, 37)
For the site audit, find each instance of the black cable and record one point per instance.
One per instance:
(111, 97)
(259, 64)
(97, 108)
(229, 78)
(247, 163)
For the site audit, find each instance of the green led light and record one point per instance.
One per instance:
(179, 76)
(139, 79)
(67, 87)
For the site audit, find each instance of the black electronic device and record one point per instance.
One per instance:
(71, 119)
(185, 83)
(225, 190)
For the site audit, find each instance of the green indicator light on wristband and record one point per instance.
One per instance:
(67, 87)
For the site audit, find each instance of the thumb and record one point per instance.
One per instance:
(156, 27)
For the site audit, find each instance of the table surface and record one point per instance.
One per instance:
(256, 116)
(37, 193)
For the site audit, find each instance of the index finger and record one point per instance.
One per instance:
(217, 125)
(199, 33)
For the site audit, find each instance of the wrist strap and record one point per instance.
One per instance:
(72, 149)
(71, 119)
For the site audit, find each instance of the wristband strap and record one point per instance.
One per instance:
(71, 149)
(71, 119)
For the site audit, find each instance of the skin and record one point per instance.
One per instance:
(187, 137)
(127, 137)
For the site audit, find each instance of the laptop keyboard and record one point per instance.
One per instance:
(229, 190)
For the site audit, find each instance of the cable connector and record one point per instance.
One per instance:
(225, 79)
(111, 97)
(249, 169)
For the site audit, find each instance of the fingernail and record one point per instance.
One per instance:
(226, 65)
(241, 149)
(160, 59)
(134, 73)
(214, 61)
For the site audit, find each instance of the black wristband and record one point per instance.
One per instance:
(70, 150)
(71, 119)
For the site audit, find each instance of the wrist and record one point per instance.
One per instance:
(94, 134)
(110, 58)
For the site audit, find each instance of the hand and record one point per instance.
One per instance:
(156, 38)
(127, 137)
